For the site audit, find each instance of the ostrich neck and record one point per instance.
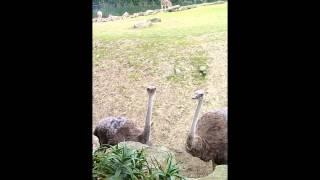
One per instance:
(147, 126)
(195, 118)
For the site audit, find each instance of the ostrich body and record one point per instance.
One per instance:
(207, 139)
(113, 130)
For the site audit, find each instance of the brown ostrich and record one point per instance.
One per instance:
(113, 130)
(207, 139)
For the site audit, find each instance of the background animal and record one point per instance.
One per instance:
(207, 139)
(99, 15)
(113, 130)
(165, 4)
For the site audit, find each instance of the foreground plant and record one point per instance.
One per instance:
(122, 163)
(168, 171)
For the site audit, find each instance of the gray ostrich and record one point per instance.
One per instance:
(207, 139)
(113, 130)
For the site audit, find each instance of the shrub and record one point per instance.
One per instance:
(169, 171)
(121, 163)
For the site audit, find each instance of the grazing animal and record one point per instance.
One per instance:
(113, 130)
(207, 139)
(165, 4)
(99, 15)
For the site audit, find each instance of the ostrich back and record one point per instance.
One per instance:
(114, 130)
(212, 129)
(128, 132)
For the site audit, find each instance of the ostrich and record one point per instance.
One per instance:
(113, 130)
(207, 139)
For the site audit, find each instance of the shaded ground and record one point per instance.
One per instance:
(124, 67)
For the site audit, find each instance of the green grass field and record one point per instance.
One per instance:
(173, 27)
(185, 52)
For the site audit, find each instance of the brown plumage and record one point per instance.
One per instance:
(208, 137)
(113, 130)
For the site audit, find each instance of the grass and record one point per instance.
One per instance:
(171, 36)
(174, 26)
(121, 162)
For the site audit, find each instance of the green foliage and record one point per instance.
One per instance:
(175, 27)
(121, 162)
(169, 170)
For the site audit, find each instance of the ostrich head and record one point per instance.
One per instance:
(198, 94)
(151, 90)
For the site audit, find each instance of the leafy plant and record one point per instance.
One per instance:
(168, 171)
(121, 162)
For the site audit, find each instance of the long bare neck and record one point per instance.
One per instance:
(195, 118)
(147, 126)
